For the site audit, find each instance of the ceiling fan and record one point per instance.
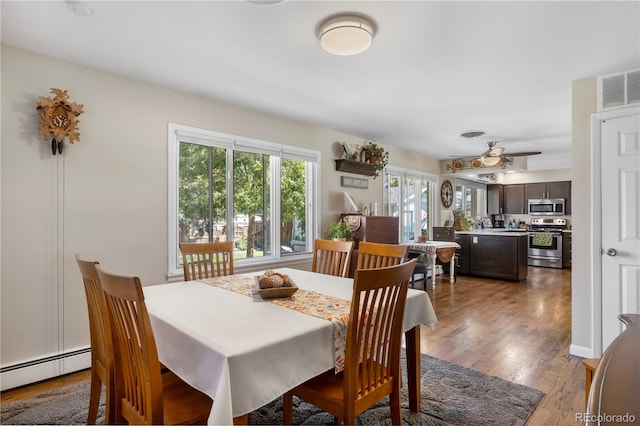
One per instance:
(494, 156)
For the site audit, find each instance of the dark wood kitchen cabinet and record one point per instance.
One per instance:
(514, 202)
(498, 256)
(550, 190)
(495, 199)
(462, 254)
(566, 249)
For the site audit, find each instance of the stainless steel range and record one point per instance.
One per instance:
(545, 241)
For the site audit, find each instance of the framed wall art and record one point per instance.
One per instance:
(352, 182)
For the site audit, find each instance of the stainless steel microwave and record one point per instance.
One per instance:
(546, 206)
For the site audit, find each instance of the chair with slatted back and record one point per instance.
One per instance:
(377, 255)
(100, 335)
(372, 354)
(146, 396)
(207, 260)
(331, 257)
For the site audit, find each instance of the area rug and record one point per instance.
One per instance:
(451, 395)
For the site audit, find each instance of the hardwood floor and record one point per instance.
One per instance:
(516, 331)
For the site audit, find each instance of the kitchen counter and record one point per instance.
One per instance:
(491, 231)
(494, 254)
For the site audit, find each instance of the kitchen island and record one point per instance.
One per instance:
(493, 253)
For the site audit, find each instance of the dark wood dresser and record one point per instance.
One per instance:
(374, 229)
(377, 229)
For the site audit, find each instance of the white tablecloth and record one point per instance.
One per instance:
(245, 352)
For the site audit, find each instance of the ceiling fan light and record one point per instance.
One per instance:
(490, 161)
(496, 152)
(346, 35)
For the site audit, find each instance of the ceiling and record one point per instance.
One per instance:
(435, 69)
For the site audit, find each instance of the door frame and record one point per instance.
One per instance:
(596, 216)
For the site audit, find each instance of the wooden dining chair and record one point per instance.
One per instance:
(332, 257)
(207, 260)
(377, 255)
(372, 353)
(146, 396)
(100, 336)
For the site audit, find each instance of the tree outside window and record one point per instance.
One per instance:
(259, 226)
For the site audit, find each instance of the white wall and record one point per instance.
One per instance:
(585, 103)
(106, 196)
(535, 176)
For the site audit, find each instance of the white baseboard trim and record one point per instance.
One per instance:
(24, 376)
(75, 363)
(47, 368)
(581, 351)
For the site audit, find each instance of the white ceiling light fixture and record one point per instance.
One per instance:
(346, 35)
(265, 2)
(472, 134)
(79, 8)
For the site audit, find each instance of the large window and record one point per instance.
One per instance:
(470, 198)
(260, 195)
(409, 195)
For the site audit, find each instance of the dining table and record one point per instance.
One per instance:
(443, 250)
(222, 338)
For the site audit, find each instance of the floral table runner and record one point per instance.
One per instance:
(308, 302)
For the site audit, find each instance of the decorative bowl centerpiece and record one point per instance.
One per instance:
(274, 285)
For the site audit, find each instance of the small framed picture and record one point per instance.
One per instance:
(352, 182)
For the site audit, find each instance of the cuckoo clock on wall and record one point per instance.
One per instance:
(58, 119)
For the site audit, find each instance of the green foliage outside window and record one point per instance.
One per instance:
(203, 198)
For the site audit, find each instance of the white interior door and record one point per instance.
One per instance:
(620, 179)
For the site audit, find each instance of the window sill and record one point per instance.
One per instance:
(301, 261)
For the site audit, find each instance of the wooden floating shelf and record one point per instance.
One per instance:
(358, 167)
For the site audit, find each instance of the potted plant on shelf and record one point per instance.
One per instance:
(338, 230)
(375, 154)
(422, 238)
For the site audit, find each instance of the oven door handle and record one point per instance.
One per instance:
(554, 259)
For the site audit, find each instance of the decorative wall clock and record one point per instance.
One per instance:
(446, 193)
(58, 118)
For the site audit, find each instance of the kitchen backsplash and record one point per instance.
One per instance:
(526, 218)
